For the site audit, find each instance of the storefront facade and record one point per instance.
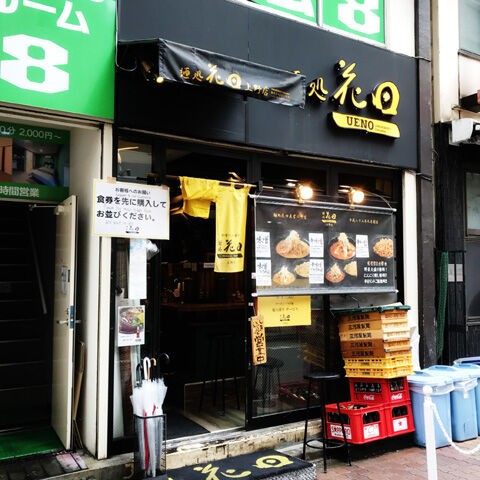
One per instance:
(344, 114)
(179, 115)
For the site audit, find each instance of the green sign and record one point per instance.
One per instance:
(363, 18)
(58, 55)
(34, 162)
(31, 193)
(305, 9)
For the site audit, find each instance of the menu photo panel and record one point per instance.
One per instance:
(323, 248)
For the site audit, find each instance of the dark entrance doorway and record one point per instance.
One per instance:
(27, 242)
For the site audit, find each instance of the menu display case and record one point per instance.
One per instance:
(323, 248)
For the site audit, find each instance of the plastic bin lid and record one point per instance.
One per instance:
(421, 378)
(455, 374)
(467, 360)
(471, 368)
(380, 308)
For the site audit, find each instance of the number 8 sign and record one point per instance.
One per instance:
(58, 55)
(22, 71)
(363, 18)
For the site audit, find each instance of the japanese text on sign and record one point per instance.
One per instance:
(131, 210)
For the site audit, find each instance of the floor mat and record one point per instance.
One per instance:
(260, 465)
(28, 442)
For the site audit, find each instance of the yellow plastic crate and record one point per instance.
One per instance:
(389, 362)
(377, 372)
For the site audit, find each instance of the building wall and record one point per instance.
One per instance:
(91, 149)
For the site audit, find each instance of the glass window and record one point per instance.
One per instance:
(473, 203)
(134, 161)
(469, 19)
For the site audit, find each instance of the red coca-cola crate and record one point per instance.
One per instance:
(399, 418)
(363, 423)
(379, 390)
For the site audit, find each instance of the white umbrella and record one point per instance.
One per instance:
(147, 401)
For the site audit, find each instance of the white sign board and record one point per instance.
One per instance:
(131, 210)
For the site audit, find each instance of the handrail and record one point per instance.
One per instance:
(37, 265)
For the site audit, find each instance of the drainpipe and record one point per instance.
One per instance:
(425, 192)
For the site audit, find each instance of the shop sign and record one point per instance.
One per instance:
(58, 55)
(34, 163)
(259, 344)
(131, 210)
(285, 311)
(362, 18)
(383, 100)
(190, 65)
(323, 248)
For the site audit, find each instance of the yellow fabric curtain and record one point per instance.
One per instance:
(231, 219)
(198, 193)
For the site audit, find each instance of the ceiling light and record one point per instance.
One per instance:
(355, 196)
(304, 192)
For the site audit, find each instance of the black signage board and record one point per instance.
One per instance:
(191, 65)
(306, 249)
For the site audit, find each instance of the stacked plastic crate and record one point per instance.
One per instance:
(375, 345)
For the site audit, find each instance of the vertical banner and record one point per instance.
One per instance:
(58, 55)
(231, 224)
(259, 344)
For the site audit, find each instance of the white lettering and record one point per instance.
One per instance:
(47, 56)
(360, 16)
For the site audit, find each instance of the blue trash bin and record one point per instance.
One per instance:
(441, 389)
(462, 400)
(472, 364)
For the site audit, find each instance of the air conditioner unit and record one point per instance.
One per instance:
(465, 130)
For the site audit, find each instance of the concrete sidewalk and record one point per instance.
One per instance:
(407, 462)
(390, 459)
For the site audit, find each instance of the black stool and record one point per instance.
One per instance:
(222, 352)
(321, 379)
(268, 369)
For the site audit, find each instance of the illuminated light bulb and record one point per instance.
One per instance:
(356, 196)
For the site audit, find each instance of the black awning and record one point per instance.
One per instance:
(193, 66)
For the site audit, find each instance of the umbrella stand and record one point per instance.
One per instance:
(158, 425)
(150, 424)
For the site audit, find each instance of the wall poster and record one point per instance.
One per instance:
(323, 248)
(34, 162)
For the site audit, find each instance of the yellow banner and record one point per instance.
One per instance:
(231, 219)
(371, 125)
(285, 311)
(259, 342)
